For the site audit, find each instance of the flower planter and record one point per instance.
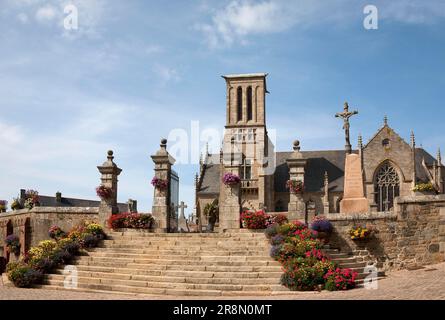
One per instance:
(424, 193)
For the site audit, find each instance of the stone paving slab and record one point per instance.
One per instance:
(425, 284)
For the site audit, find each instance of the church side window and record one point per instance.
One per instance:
(246, 169)
(386, 187)
(249, 103)
(239, 103)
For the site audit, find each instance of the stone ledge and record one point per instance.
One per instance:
(361, 216)
(420, 199)
(40, 210)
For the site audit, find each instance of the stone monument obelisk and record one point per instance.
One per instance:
(354, 200)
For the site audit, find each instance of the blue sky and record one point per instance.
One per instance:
(136, 70)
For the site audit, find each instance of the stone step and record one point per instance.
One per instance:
(177, 254)
(346, 260)
(226, 243)
(125, 246)
(178, 258)
(352, 265)
(136, 286)
(150, 292)
(116, 273)
(100, 277)
(159, 269)
(141, 232)
(114, 263)
(335, 256)
(187, 237)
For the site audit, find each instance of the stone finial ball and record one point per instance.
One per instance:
(110, 152)
(296, 143)
(164, 141)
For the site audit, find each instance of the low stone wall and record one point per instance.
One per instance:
(411, 236)
(32, 225)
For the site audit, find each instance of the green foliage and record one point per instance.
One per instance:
(211, 210)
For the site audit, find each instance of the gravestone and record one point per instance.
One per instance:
(354, 200)
(182, 222)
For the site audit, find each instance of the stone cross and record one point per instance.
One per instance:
(182, 206)
(345, 115)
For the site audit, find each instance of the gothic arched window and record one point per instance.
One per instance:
(249, 104)
(239, 103)
(386, 187)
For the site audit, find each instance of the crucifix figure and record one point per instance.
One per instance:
(345, 115)
(182, 206)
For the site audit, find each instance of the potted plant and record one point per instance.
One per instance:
(360, 232)
(323, 227)
(159, 183)
(211, 210)
(31, 199)
(3, 205)
(254, 219)
(13, 244)
(56, 232)
(15, 204)
(424, 189)
(230, 179)
(104, 192)
(295, 186)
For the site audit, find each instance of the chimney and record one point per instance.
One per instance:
(22, 194)
(58, 197)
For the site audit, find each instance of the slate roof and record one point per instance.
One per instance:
(318, 162)
(210, 182)
(49, 201)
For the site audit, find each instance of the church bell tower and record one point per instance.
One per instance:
(245, 133)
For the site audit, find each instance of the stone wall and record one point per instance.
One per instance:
(33, 225)
(411, 236)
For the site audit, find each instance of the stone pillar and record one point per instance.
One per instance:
(109, 172)
(413, 162)
(326, 194)
(296, 164)
(3, 235)
(161, 198)
(230, 195)
(21, 223)
(230, 206)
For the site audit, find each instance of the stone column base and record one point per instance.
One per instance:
(296, 210)
(354, 205)
(160, 215)
(229, 217)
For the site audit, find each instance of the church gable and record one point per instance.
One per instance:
(387, 145)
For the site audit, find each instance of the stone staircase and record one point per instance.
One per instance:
(187, 264)
(354, 260)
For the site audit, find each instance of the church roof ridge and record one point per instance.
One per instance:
(245, 75)
(380, 130)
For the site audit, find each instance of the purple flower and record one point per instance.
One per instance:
(159, 183)
(321, 224)
(230, 178)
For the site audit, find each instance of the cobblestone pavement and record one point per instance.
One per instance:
(426, 283)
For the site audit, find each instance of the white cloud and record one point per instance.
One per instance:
(412, 12)
(166, 74)
(241, 19)
(153, 49)
(23, 18)
(46, 13)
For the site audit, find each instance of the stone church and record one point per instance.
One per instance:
(390, 166)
